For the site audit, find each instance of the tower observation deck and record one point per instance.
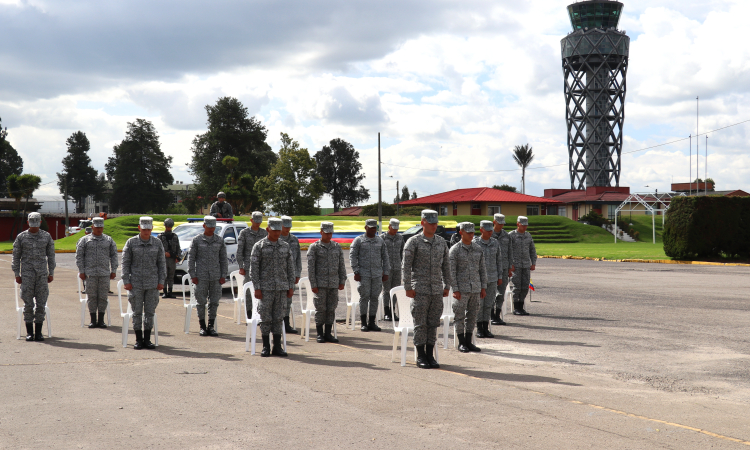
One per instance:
(595, 65)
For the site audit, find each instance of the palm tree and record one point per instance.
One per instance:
(523, 155)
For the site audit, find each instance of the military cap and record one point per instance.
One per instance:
(326, 227)
(467, 227)
(35, 219)
(221, 195)
(169, 223)
(394, 223)
(274, 223)
(257, 217)
(97, 222)
(88, 230)
(500, 218)
(209, 221)
(146, 223)
(523, 220)
(286, 221)
(371, 223)
(430, 215)
(486, 225)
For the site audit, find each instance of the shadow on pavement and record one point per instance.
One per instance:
(549, 316)
(172, 351)
(303, 358)
(507, 355)
(508, 376)
(61, 342)
(537, 342)
(540, 327)
(359, 342)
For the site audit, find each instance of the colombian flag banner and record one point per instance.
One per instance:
(531, 285)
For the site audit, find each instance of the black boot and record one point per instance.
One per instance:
(211, 329)
(38, 336)
(164, 293)
(469, 345)
(328, 336)
(363, 327)
(487, 332)
(387, 311)
(373, 324)
(430, 355)
(29, 332)
(422, 361)
(170, 294)
(93, 323)
(138, 340)
(462, 343)
(480, 330)
(266, 346)
(289, 329)
(147, 340)
(277, 349)
(203, 331)
(101, 323)
(321, 338)
(518, 309)
(496, 319)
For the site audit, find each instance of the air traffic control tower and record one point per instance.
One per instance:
(595, 64)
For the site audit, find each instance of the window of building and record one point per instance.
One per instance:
(562, 211)
(532, 210)
(493, 209)
(443, 210)
(611, 211)
(476, 209)
(552, 210)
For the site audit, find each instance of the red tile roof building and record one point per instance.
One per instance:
(483, 201)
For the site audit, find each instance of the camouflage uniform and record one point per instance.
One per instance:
(297, 255)
(171, 244)
(369, 258)
(395, 247)
(273, 274)
(506, 250)
(524, 256)
(96, 257)
(34, 261)
(208, 262)
(493, 263)
(247, 239)
(225, 209)
(144, 267)
(327, 270)
(469, 277)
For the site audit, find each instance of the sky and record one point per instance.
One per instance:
(451, 86)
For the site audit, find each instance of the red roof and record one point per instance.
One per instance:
(350, 211)
(480, 194)
(590, 194)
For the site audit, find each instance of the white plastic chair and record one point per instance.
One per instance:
(351, 293)
(507, 303)
(128, 315)
(254, 321)
(404, 326)
(84, 298)
(308, 308)
(447, 317)
(19, 312)
(239, 299)
(190, 304)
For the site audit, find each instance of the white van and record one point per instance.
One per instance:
(230, 231)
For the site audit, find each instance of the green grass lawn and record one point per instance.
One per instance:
(642, 224)
(621, 250)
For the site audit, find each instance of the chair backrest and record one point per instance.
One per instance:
(306, 299)
(448, 303)
(120, 288)
(404, 307)
(236, 279)
(81, 296)
(187, 281)
(351, 292)
(249, 287)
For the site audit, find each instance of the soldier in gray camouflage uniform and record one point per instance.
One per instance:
(273, 280)
(506, 249)
(172, 253)
(97, 262)
(143, 273)
(208, 267)
(524, 260)
(286, 236)
(493, 262)
(426, 274)
(245, 242)
(394, 244)
(34, 267)
(220, 208)
(469, 281)
(368, 257)
(327, 272)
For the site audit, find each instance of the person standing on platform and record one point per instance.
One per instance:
(493, 262)
(368, 257)
(456, 238)
(394, 244)
(97, 262)
(469, 279)
(286, 236)
(327, 271)
(172, 254)
(245, 242)
(506, 249)
(220, 209)
(524, 261)
(208, 267)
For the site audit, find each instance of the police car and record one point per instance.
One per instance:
(228, 229)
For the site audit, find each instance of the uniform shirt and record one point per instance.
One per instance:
(96, 256)
(296, 252)
(505, 248)
(208, 258)
(468, 272)
(143, 263)
(225, 209)
(171, 246)
(272, 266)
(493, 258)
(325, 265)
(369, 257)
(33, 253)
(246, 241)
(426, 267)
(394, 245)
(524, 250)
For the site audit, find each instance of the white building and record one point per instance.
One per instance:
(54, 204)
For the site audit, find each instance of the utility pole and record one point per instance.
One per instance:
(690, 158)
(65, 200)
(697, 141)
(398, 198)
(380, 192)
(705, 177)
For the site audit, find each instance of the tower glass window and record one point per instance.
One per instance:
(594, 14)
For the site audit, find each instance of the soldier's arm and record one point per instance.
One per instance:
(223, 261)
(510, 251)
(446, 269)
(290, 274)
(126, 259)
(342, 267)
(255, 265)
(191, 261)
(230, 214)
(406, 265)
(311, 263)
(212, 212)
(532, 251)
(354, 255)
(17, 249)
(241, 242)
(51, 256)
(499, 261)
(452, 256)
(161, 265)
(113, 262)
(386, 259)
(297, 260)
(482, 270)
(81, 255)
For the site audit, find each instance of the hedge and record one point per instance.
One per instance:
(712, 226)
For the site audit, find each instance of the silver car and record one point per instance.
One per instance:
(187, 231)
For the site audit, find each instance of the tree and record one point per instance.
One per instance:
(20, 186)
(404, 193)
(83, 180)
(523, 155)
(293, 185)
(139, 171)
(505, 187)
(230, 133)
(708, 180)
(414, 195)
(11, 163)
(339, 167)
(239, 188)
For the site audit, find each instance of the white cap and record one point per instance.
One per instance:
(146, 223)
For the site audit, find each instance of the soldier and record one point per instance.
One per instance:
(426, 274)
(220, 208)
(469, 281)
(456, 238)
(327, 272)
(245, 242)
(143, 273)
(96, 259)
(506, 249)
(273, 279)
(172, 254)
(493, 262)
(368, 257)
(524, 261)
(208, 267)
(394, 244)
(34, 268)
(286, 236)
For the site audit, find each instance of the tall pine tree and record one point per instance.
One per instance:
(339, 167)
(11, 162)
(83, 180)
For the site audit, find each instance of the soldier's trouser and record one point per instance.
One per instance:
(369, 291)
(500, 296)
(169, 282)
(426, 310)
(465, 311)
(144, 303)
(271, 310)
(34, 286)
(521, 279)
(485, 305)
(97, 289)
(394, 280)
(290, 300)
(326, 301)
(207, 291)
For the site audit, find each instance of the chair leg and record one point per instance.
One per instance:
(247, 338)
(291, 318)
(253, 336)
(283, 335)
(437, 358)
(125, 326)
(395, 345)
(404, 338)
(335, 333)
(109, 322)
(446, 331)
(188, 313)
(156, 331)
(18, 330)
(307, 326)
(83, 312)
(49, 321)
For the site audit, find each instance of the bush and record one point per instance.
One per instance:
(414, 210)
(372, 210)
(637, 235)
(177, 208)
(594, 218)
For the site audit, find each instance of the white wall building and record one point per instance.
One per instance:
(54, 204)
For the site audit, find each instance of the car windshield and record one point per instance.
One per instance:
(413, 230)
(187, 233)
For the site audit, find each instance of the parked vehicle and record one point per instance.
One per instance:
(230, 231)
(417, 229)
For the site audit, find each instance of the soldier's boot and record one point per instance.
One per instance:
(386, 311)
(462, 343)
(93, 323)
(422, 361)
(100, 323)
(29, 332)
(469, 345)
(170, 294)
(430, 354)
(480, 330)
(496, 319)
(203, 331)
(289, 329)
(321, 337)
(487, 332)
(363, 322)
(138, 340)
(518, 309)
(266, 346)
(277, 348)
(38, 335)
(147, 339)
(373, 326)
(328, 336)
(211, 329)
(164, 293)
